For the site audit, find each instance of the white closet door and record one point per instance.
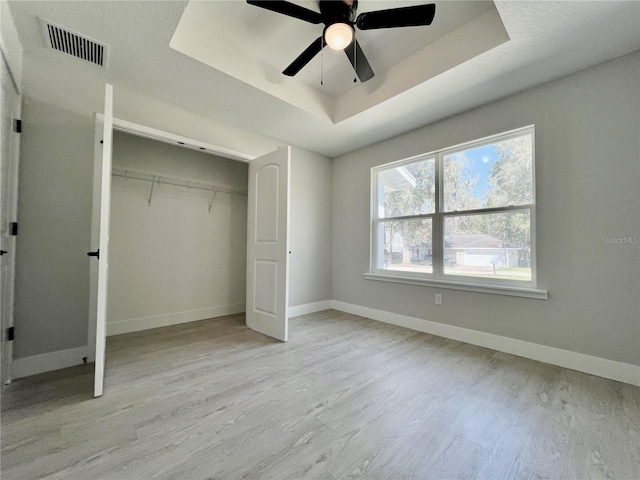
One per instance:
(103, 257)
(268, 244)
(9, 158)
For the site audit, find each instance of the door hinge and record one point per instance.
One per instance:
(17, 125)
(11, 333)
(13, 228)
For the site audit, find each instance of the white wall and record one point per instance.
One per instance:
(174, 261)
(588, 188)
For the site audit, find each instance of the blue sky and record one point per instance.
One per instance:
(480, 161)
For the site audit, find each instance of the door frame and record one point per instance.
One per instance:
(174, 138)
(6, 348)
(153, 134)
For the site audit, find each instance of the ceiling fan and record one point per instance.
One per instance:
(339, 18)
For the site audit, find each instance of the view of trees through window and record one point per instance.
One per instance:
(485, 212)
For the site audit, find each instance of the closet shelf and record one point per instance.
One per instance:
(175, 181)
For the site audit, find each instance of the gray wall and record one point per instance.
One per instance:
(310, 217)
(138, 153)
(310, 209)
(10, 43)
(588, 187)
(54, 214)
(175, 256)
(587, 154)
(54, 211)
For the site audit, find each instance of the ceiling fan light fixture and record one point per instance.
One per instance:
(338, 35)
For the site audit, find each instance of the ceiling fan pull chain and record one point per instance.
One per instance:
(355, 59)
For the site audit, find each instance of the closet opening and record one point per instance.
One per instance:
(178, 235)
(186, 233)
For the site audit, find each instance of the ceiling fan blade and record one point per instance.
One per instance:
(359, 61)
(397, 17)
(305, 57)
(290, 9)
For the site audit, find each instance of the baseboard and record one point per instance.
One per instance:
(601, 367)
(309, 308)
(146, 323)
(622, 372)
(47, 362)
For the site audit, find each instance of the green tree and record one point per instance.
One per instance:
(511, 175)
(459, 184)
(511, 184)
(419, 199)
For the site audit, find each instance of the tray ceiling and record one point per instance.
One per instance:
(254, 45)
(546, 40)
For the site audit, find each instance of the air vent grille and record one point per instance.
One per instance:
(75, 44)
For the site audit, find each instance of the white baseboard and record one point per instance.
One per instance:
(601, 367)
(47, 362)
(622, 372)
(146, 323)
(309, 308)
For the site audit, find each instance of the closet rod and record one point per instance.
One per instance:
(162, 180)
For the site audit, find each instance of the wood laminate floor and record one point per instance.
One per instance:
(345, 398)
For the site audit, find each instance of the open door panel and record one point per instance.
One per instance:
(103, 182)
(268, 244)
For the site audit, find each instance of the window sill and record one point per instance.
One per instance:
(470, 287)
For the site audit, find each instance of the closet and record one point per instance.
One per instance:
(178, 235)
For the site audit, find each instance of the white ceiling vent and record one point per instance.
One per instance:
(74, 44)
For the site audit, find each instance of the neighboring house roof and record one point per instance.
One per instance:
(476, 241)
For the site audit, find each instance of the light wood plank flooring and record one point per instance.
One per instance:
(345, 398)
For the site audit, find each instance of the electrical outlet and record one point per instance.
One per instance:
(438, 299)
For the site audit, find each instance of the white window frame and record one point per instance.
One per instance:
(438, 278)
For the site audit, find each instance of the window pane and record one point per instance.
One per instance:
(496, 175)
(407, 246)
(492, 246)
(407, 189)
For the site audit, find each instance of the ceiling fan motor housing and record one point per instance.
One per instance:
(339, 17)
(338, 11)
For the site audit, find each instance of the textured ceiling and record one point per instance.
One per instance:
(547, 40)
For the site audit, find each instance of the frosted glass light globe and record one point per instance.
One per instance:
(338, 36)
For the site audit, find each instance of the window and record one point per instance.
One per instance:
(463, 215)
